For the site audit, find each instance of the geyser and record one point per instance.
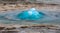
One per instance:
(31, 14)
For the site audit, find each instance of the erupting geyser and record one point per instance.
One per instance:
(31, 14)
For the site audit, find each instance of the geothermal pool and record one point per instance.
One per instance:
(49, 17)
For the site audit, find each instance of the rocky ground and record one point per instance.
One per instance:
(37, 6)
(40, 28)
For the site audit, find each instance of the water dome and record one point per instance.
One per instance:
(31, 14)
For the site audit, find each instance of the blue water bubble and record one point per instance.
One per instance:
(31, 14)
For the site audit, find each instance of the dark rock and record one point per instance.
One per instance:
(24, 27)
(10, 28)
(1, 28)
(10, 32)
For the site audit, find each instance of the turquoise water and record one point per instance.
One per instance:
(31, 14)
(49, 17)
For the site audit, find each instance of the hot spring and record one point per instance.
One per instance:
(31, 16)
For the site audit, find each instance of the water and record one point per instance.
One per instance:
(31, 14)
(10, 17)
